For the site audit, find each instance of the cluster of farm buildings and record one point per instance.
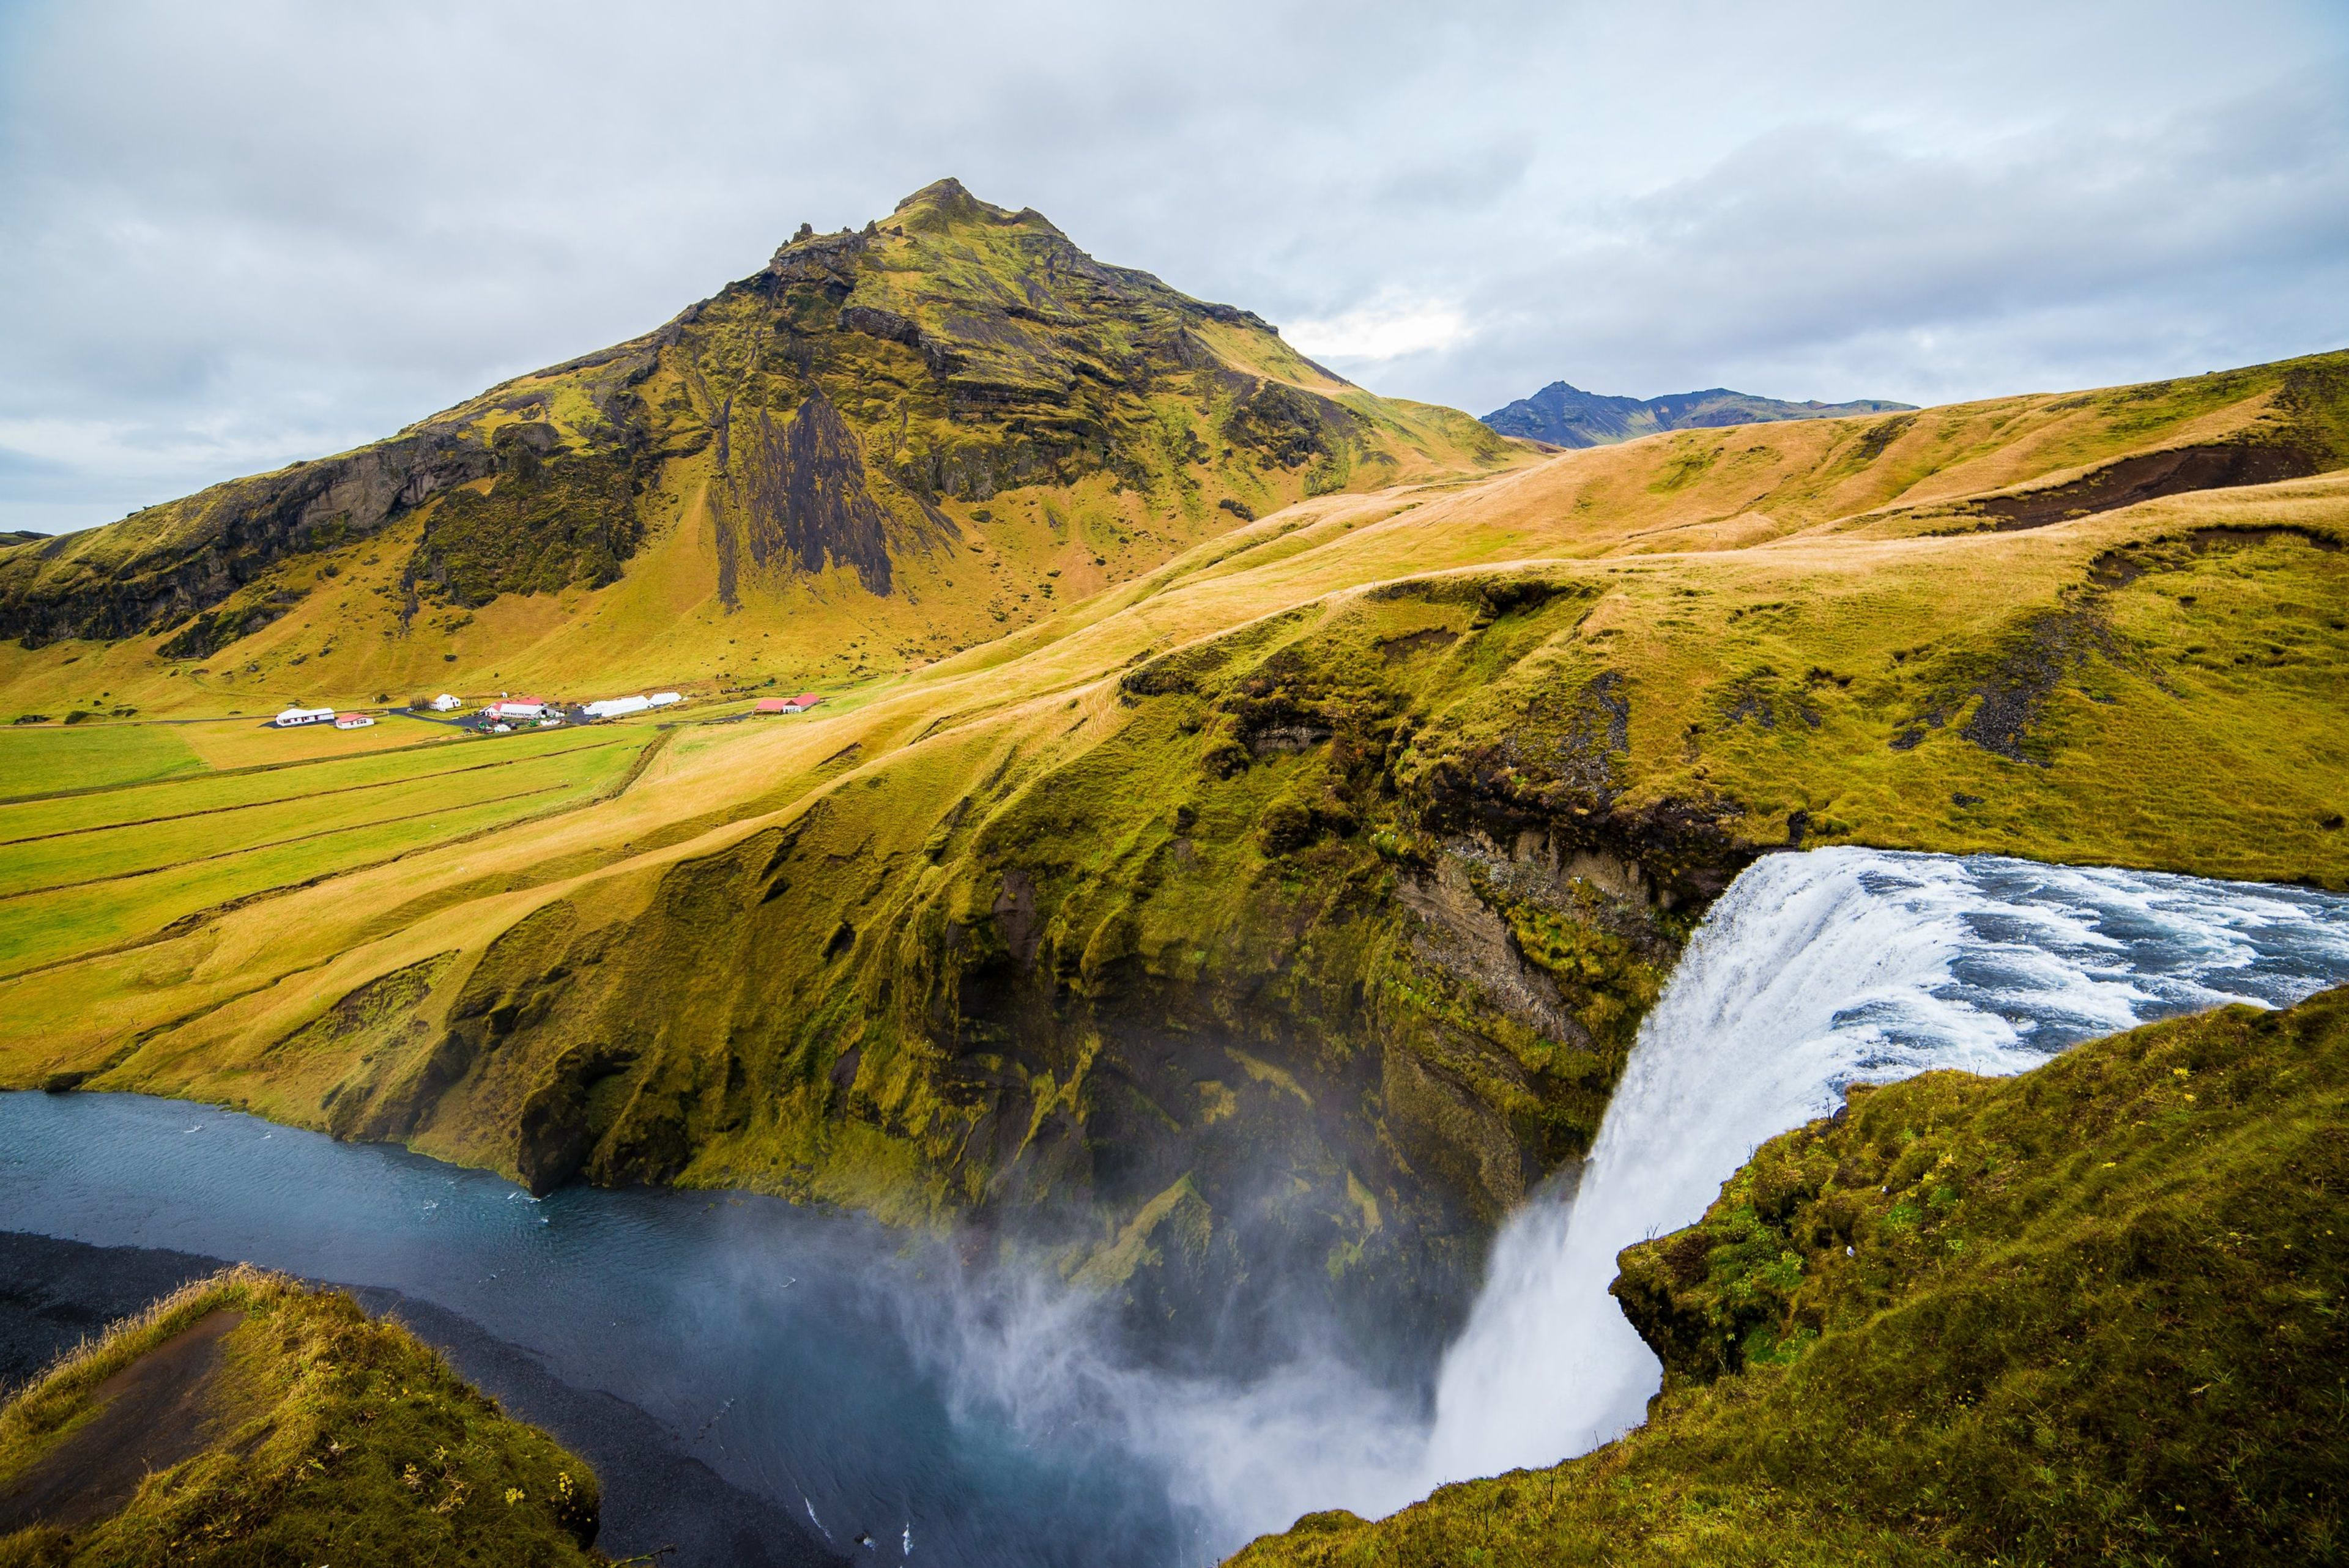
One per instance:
(510, 713)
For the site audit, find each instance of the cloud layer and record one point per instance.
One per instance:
(257, 230)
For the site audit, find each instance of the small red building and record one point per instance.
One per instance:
(800, 703)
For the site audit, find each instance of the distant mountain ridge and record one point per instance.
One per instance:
(1567, 416)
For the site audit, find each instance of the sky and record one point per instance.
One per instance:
(242, 233)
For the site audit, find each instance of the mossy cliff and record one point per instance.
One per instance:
(2087, 1315)
(247, 1419)
(1302, 952)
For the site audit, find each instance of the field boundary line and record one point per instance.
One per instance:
(275, 844)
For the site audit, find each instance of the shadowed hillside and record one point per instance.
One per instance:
(2083, 1314)
(1295, 902)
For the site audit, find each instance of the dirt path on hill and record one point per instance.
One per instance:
(153, 1414)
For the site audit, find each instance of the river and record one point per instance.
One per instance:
(899, 1405)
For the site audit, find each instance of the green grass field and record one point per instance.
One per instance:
(88, 870)
(37, 759)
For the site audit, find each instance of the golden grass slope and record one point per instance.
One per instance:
(1399, 800)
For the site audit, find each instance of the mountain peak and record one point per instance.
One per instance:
(860, 404)
(949, 191)
(944, 202)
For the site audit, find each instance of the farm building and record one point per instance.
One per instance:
(522, 707)
(618, 706)
(292, 717)
(447, 702)
(354, 720)
(800, 703)
(664, 698)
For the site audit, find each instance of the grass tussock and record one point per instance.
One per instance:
(2090, 1314)
(320, 1436)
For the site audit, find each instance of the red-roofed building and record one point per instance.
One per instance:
(800, 703)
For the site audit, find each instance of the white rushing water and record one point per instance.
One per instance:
(1815, 972)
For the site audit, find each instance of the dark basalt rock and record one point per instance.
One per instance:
(874, 322)
(2149, 476)
(806, 497)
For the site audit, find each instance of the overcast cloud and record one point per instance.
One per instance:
(236, 234)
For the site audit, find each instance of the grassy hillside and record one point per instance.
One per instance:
(2086, 1314)
(885, 446)
(1289, 910)
(247, 1419)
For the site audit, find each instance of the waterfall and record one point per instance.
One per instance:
(1815, 972)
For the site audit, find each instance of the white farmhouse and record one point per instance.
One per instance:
(292, 717)
(447, 702)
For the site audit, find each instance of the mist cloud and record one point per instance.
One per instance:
(259, 231)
